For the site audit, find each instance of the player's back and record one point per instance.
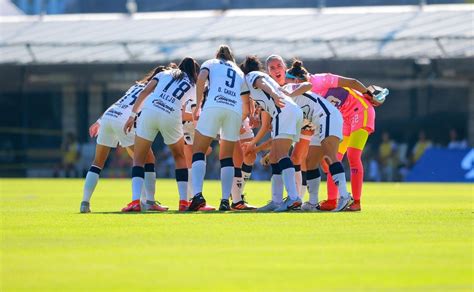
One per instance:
(122, 108)
(225, 84)
(170, 93)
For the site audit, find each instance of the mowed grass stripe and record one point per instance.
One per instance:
(408, 236)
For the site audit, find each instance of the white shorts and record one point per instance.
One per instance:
(111, 133)
(287, 124)
(188, 133)
(330, 124)
(216, 120)
(151, 122)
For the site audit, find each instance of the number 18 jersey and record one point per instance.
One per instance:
(225, 85)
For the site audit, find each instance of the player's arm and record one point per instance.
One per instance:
(352, 83)
(265, 127)
(138, 104)
(200, 85)
(260, 83)
(302, 88)
(245, 105)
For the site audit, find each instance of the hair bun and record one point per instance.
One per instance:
(297, 63)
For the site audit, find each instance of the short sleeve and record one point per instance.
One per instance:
(206, 65)
(158, 76)
(322, 82)
(252, 78)
(244, 89)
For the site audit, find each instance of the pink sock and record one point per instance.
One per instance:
(332, 188)
(357, 171)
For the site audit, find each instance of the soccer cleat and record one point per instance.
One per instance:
(289, 204)
(328, 205)
(242, 206)
(269, 207)
(183, 205)
(154, 206)
(308, 207)
(207, 208)
(355, 206)
(133, 206)
(85, 207)
(224, 205)
(343, 203)
(197, 202)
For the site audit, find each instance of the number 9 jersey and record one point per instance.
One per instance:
(225, 85)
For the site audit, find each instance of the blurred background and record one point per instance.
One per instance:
(63, 62)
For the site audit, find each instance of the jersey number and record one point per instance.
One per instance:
(178, 93)
(231, 74)
(133, 95)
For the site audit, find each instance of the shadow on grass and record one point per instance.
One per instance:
(176, 212)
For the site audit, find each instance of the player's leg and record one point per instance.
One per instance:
(207, 128)
(181, 171)
(331, 186)
(92, 177)
(313, 177)
(279, 154)
(357, 143)
(298, 156)
(336, 169)
(238, 202)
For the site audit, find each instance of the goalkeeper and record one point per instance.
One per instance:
(356, 104)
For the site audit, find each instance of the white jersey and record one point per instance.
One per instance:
(262, 98)
(121, 110)
(170, 94)
(225, 85)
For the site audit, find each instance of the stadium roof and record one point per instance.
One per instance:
(435, 31)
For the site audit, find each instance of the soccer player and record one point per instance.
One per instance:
(355, 103)
(222, 113)
(276, 68)
(108, 130)
(324, 143)
(165, 95)
(287, 119)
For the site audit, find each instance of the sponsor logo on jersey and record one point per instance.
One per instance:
(225, 100)
(113, 113)
(159, 103)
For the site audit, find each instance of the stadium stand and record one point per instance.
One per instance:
(356, 32)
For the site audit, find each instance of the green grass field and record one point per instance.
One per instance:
(414, 237)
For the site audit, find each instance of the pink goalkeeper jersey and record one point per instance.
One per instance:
(326, 85)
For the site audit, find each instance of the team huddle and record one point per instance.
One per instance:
(314, 120)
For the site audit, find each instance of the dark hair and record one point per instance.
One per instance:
(225, 53)
(298, 70)
(151, 74)
(187, 66)
(251, 63)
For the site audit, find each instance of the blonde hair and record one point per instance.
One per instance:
(273, 57)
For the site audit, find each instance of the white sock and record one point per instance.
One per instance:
(277, 188)
(227, 176)
(198, 172)
(298, 181)
(183, 190)
(313, 185)
(137, 185)
(150, 183)
(89, 185)
(339, 177)
(143, 197)
(288, 176)
(237, 184)
(190, 184)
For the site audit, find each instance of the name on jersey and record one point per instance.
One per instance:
(113, 113)
(159, 103)
(225, 100)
